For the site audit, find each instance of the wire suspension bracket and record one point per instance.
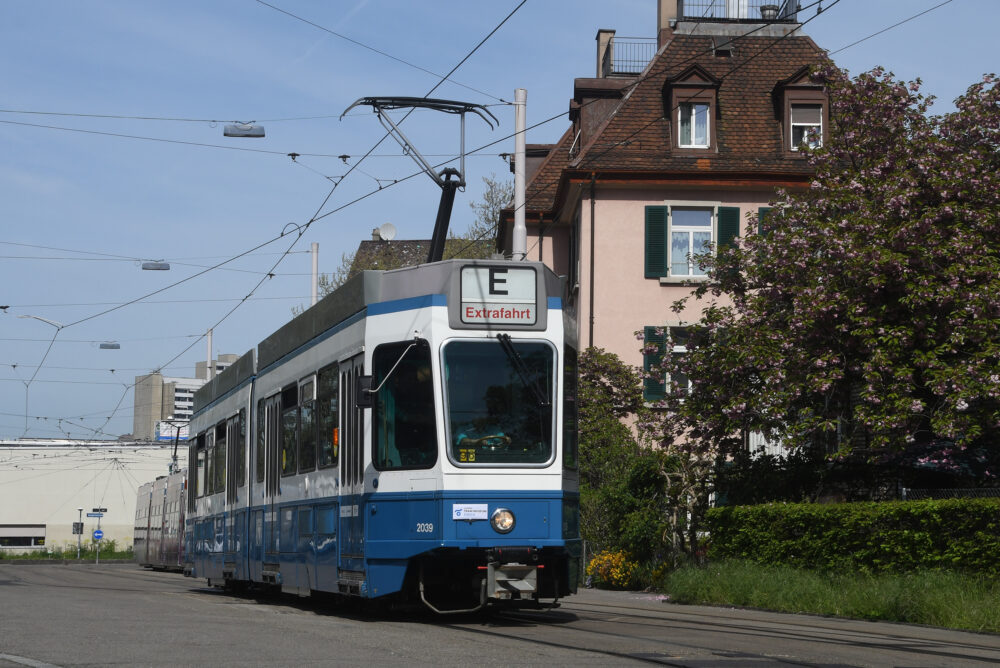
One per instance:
(449, 179)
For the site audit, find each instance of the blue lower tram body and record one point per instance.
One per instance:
(387, 543)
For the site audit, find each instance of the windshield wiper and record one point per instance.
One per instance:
(522, 370)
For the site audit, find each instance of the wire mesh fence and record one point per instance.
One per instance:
(910, 494)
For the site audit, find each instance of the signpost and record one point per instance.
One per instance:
(98, 534)
(79, 534)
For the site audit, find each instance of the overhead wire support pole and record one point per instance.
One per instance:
(444, 178)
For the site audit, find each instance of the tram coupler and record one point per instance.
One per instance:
(512, 572)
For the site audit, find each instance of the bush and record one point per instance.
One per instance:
(612, 570)
(951, 534)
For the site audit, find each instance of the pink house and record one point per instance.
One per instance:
(670, 151)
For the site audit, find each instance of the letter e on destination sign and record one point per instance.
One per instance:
(499, 295)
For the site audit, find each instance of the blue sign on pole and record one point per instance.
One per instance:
(98, 534)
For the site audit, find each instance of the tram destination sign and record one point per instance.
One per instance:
(499, 295)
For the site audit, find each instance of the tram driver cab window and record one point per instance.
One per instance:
(404, 431)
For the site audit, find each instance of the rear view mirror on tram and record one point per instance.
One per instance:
(363, 394)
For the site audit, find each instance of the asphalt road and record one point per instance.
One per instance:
(121, 615)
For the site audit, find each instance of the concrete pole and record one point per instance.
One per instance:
(315, 274)
(209, 367)
(519, 245)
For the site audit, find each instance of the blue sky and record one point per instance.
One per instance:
(84, 199)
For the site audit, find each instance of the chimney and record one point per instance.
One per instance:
(605, 52)
(376, 235)
(666, 20)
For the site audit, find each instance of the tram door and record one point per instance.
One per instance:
(352, 469)
(272, 444)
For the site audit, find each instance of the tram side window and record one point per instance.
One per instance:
(404, 431)
(199, 481)
(260, 458)
(289, 427)
(241, 449)
(220, 457)
(307, 426)
(328, 430)
(210, 462)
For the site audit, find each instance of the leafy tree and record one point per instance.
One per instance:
(498, 195)
(867, 310)
(622, 494)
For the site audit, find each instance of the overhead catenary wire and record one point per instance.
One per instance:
(379, 51)
(318, 216)
(300, 230)
(894, 25)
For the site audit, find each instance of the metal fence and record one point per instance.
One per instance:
(738, 10)
(628, 56)
(910, 494)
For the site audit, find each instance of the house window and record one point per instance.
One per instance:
(690, 235)
(675, 235)
(693, 124)
(806, 123)
(658, 341)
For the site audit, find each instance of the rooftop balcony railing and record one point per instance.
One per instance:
(747, 11)
(627, 56)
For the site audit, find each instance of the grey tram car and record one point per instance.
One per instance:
(411, 436)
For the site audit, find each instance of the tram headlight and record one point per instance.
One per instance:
(502, 520)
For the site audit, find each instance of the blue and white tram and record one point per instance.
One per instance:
(412, 435)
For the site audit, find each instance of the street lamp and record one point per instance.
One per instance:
(59, 326)
(250, 129)
(156, 266)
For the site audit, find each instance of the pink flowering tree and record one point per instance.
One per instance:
(866, 311)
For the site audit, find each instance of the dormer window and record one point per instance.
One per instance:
(693, 124)
(802, 108)
(690, 103)
(806, 123)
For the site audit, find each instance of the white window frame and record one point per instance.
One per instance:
(792, 125)
(674, 349)
(677, 350)
(691, 107)
(713, 211)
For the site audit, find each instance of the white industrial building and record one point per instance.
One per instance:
(48, 484)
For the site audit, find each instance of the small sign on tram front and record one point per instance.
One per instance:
(499, 295)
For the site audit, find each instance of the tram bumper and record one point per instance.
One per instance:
(512, 573)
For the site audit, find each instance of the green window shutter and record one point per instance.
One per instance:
(729, 225)
(653, 390)
(761, 216)
(656, 241)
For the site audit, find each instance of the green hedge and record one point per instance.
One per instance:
(952, 534)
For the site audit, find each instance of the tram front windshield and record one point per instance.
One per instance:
(500, 397)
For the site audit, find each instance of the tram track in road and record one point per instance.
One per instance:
(668, 637)
(107, 578)
(805, 627)
(655, 651)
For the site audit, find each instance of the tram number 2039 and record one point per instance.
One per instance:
(425, 527)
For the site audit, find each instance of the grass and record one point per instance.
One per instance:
(109, 550)
(935, 598)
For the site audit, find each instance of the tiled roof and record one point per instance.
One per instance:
(400, 253)
(540, 191)
(635, 138)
